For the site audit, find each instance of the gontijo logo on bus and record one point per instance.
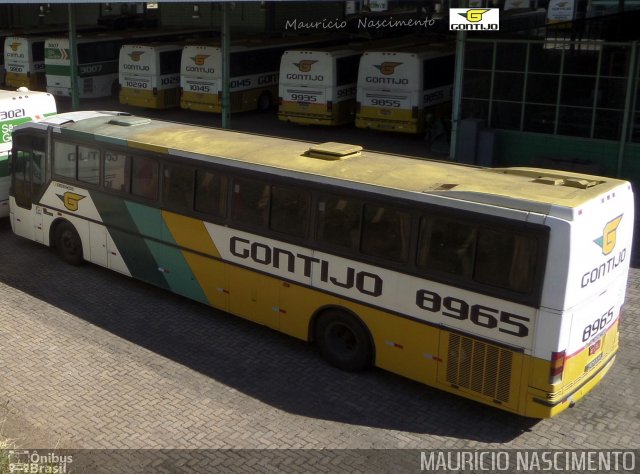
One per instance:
(387, 68)
(474, 19)
(14, 46)
(305, 65)
(608, 239)
(607, 242)
(198, 59)
(135, 55)
(70, 200)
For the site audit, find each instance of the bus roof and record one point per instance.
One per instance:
(548, 192)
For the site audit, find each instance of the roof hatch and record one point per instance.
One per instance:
(128, 121)
(334, 151)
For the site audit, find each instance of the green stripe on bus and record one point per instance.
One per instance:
(168, 260)
(125, 234)
(176, 271)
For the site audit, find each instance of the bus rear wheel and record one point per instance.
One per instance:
(264, 102)
(68, 244)
(343, 341)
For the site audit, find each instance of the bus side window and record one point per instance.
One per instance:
(339, 222)
(289, 211)
(211, 193)
(144, 178)
(89, 165)
(64, 163)
(250, 203)
(385, 233)
(177, 187)
(116, 171)
(505, 260)
(446, 246)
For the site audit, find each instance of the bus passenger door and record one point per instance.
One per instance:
(27, 185)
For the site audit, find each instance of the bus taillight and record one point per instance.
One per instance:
(279, 100)
(155, 91)
(329, 106)
(414, 112)
(357, 107)
(557, 366)
(181, 92)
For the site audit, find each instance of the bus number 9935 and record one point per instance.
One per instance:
(303, 97)
(479, 315)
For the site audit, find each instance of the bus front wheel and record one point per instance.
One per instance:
(343, 341)
(68, 244)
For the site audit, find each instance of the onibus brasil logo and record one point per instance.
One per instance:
(474, 19)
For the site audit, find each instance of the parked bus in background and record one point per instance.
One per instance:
(501, 285)
(23, 32)
(98, 56)
(254, 70)
(150, 75)
(17, 107)
(24, 62)
(397, 89)
(24, 58)
(318, 85)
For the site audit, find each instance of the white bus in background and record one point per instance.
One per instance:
(17, 107)
(42, 31)
(398, 89)
(150, 75)
(98, 56)
(254, 71)
(23, 55)
(24, 62)
(318, 86)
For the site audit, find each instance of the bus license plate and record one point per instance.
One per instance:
(593, 363)
(593, 348)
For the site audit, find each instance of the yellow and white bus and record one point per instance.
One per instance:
(254, 70)
(150, 75)
(24, 56)
(318, 85)
(98, 55)
(397, 89)
(17, 107)
(24, 62)
(501, 285)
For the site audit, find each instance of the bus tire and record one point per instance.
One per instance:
(68, 244)
(344, 341)
(264, 102)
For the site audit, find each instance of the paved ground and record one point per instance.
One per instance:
(92, 359)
